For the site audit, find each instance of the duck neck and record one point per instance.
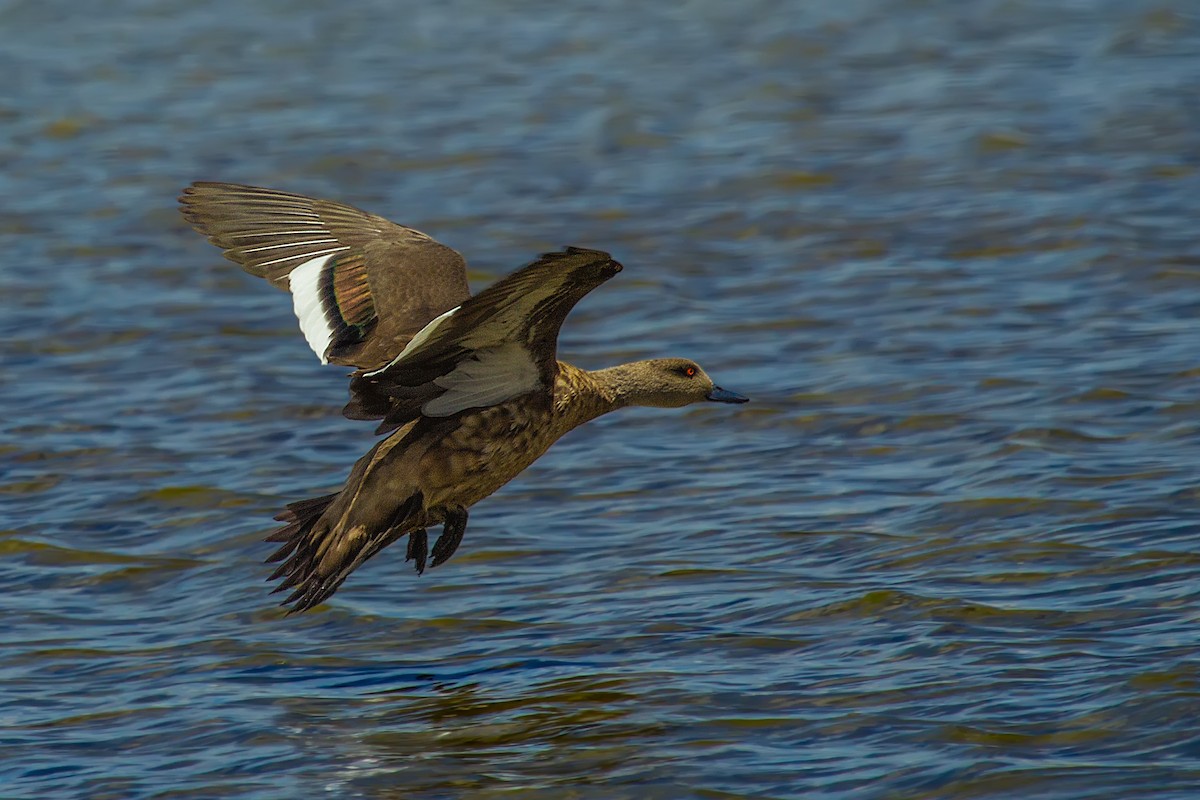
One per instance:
(580, 395)
(622, 386)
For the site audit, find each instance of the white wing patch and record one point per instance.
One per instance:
(305, 283)
(490, 376)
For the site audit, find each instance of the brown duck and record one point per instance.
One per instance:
(470, 388)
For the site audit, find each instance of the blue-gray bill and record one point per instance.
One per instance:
(720, 395)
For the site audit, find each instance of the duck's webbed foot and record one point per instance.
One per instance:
(418, 549)
(452, 535)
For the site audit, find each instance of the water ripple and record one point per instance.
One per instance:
(949, 551)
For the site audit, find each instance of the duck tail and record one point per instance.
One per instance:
(320, 550)
(300, 543)
(300, 516)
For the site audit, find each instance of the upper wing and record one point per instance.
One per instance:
(361, 285)
(499, 344)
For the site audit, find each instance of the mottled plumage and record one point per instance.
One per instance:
(470, 388)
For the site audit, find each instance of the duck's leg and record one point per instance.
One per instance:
(452, 534)
(418, 549)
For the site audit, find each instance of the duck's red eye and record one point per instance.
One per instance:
(690, 372)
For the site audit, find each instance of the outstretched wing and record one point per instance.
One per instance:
(497, 345)
(361, 285)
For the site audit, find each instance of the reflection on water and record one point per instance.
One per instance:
(948, 552)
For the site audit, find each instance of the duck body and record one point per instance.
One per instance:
(489, 447)
(424, 474)
(468, 389)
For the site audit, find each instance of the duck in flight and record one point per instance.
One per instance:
(469, 388)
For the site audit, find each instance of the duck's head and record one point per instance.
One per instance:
(667, 383)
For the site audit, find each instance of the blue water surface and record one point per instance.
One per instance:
(950, 550)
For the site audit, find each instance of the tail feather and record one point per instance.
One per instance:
(283, 534)
(284, 551)
(298, 539)
(302, 509)
(317, 554)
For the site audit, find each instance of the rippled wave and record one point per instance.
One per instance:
(948, 551)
